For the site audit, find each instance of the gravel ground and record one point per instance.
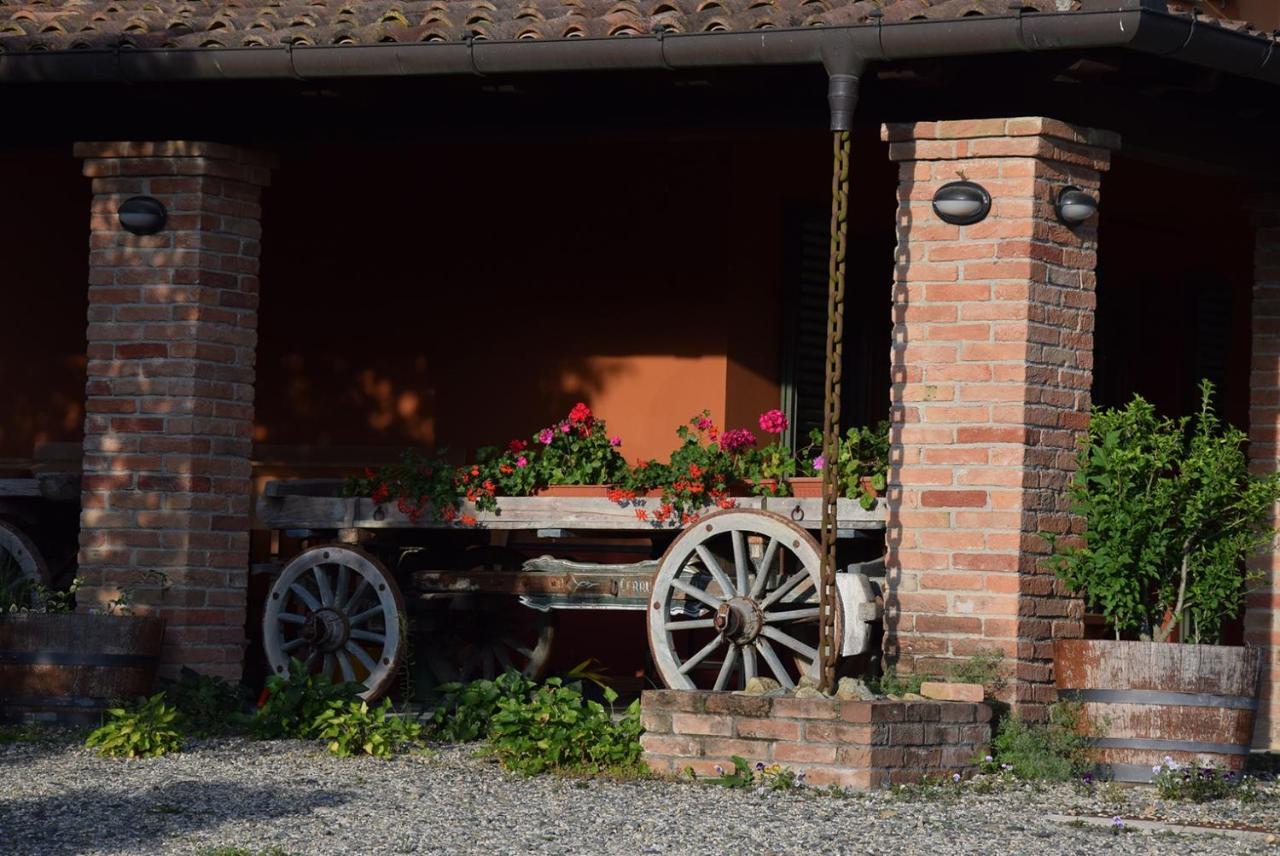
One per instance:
(59, 798)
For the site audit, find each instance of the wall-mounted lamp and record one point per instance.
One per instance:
(142, 215)
(961, 202)
(1075, 206)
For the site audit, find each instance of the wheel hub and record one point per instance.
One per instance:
(739, 619)
(326, 629)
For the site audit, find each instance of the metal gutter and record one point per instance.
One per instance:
(1132, 24)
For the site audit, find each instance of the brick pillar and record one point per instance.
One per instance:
(992, 365)
(1262, 618)
(169, 401)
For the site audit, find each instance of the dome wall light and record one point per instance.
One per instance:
(1074, 206)
(962, 203)
(142, 215)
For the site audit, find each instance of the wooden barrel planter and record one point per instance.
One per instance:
(69, 668)
(1151, 700)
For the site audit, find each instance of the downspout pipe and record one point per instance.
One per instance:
(1133, 25)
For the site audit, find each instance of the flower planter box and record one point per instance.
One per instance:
(69, 668)
(1192, 703)
(574, 490)
(810, 487)
(852, 744)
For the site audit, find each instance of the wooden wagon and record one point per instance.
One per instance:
(729, 597)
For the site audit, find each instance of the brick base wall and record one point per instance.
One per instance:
(852, 744)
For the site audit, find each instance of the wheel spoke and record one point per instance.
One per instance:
(694, 624)
(712, 565)
(330, 666)
(291, 618)
(775, 665)
(791, 615)
(800, 582)
(305, 596)
(361, 655)
(503, 659)
(344, 580)
(794, 644)
(726, 668)
(766, 566)
(740, 561)
(357, 595)
(362, 617)
(702, 654)
(523, 651)
(322, 583)
(348, 674)
(748, 664)
(696, 593)
(292, 645)
(366, 636)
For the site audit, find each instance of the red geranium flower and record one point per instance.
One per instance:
(518, 445)
(580, 413)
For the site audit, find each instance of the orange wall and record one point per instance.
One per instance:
(463, 295)
(44, 263)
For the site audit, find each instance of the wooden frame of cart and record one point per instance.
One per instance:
(732, 596)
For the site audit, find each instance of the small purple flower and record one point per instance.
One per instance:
(988, 759)
(719, 770)
(615, 441)
(545, 436)
(955, 777)
(1117, 823)
(1088, 778)
(760, 765)
(819, 462)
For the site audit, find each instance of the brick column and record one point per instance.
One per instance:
(1262, 618)
(992, 365)
(172, 331)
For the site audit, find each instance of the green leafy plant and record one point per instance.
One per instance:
(1185, 782)
(982, 668)
(1171, 514)
(351, 727)
(696, 477)
(1055, 750)
(767, 469)
(419, 485)
(146, 730)
(578, 450)
(210, 706)
(742, 776)
(122, 603)
(294, 702)
(862, 461)
(893, 684)
(19, 593)
(466, 711)
(772, 777)
(557, 729)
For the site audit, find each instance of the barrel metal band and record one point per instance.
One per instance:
(65, 658)
(1169, 745)
(1233, 702)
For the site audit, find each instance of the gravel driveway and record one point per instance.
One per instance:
(59, 798)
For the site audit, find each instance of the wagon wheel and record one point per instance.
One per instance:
(479, 636)
(735, 597)
(22, 567)
(338, 610)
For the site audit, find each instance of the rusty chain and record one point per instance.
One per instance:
(828, 601)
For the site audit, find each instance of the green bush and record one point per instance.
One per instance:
(557, 729)
(1171, 514)
(352, 728)
(210, 706)
(147, 730)
(466, 711)
(1055, 751)
(295, 702)
(1175, 781)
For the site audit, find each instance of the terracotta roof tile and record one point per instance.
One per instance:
(79, 24)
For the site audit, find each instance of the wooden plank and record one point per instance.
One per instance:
(288, 511)
(19, 488)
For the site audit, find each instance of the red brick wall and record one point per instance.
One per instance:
(853, 744)
(1262, 619)
(169, 398)
(991, 374)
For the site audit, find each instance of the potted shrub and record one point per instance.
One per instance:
(577, 456)
(1171, 513)
(862, 465)
(66, 666)
(767, 471)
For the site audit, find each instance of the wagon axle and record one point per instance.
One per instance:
(326, 630)
(739, 620)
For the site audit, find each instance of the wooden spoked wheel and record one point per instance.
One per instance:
(22, 567)
(483, 636)
(736, 597)
(338, 610)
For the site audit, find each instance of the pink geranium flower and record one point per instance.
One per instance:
(819, 462)
(522, 462)
(737, 440)
(545, 436)
(615, 441)
(773, 421)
